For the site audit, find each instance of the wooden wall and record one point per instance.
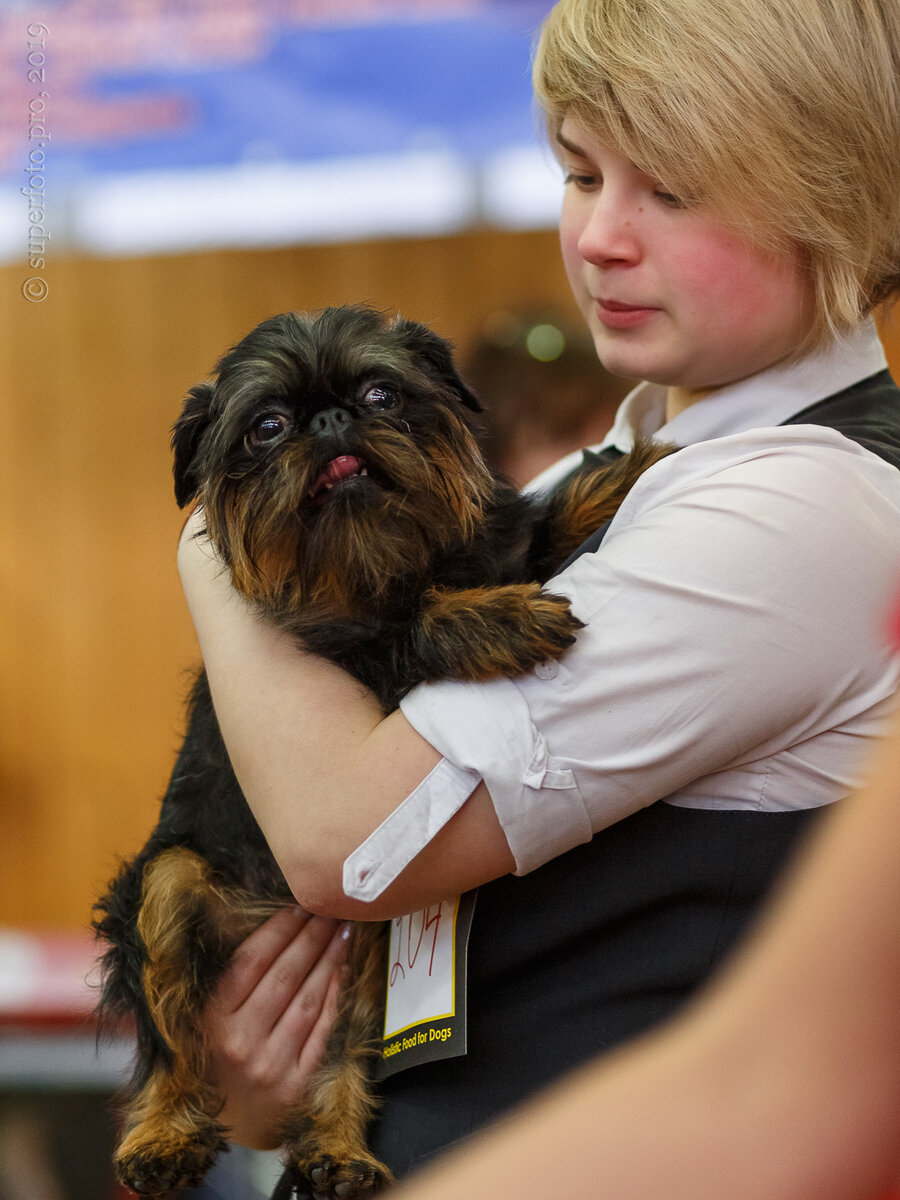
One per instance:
(94, 637)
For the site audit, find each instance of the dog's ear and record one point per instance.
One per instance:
(438, 358)
(186, 435)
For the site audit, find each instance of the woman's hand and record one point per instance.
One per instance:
(269, 1020)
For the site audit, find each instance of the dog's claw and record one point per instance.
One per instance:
(332, 1180)
(319, 1175)
(158, 1185)
(150, 1173)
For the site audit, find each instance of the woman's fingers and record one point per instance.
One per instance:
(306, 1022)
(256, 954)
(298, 993)
(313, 1049)
(279, 955)
(269, 1020)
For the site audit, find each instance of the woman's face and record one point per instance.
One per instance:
(669, 295)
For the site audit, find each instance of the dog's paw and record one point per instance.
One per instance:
(326, 1178)
(552, 629)
(480, 633)
(525, 626)
(153, 1169)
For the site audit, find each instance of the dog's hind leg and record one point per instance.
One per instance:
(325, 1140)
(189, 926)
(172, 1137)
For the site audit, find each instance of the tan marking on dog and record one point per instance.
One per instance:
(481, 633)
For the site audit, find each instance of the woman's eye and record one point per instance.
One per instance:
(268, 428)
(583, 182)
(379, 398)
(669, 199)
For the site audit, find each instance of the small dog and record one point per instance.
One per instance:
(336, 461)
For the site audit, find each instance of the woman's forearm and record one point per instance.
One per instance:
(317, 760)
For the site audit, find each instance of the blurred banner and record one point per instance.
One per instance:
(165, 125)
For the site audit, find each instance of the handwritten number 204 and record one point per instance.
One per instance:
(417, 925)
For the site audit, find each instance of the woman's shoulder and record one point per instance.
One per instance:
(803, 459)
(777, 494)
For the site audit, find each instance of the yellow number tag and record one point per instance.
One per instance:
(425, 1012)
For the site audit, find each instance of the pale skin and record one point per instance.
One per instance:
(701, 308)
(782, 1082)
(655, 281)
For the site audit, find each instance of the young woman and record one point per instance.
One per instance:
(731, 218)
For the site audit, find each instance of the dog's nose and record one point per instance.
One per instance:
(330, 422)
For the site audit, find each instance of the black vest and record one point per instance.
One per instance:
(606, 940)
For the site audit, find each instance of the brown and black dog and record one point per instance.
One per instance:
(341, 482)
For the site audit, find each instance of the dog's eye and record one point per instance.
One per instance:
(268, 428)
(379, 398)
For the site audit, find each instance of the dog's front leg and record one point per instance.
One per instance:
(480, 633)
(588, 500)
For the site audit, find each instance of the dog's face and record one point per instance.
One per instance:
(332, 456)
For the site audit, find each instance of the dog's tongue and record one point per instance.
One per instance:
(339, 468)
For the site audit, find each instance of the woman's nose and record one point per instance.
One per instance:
(609, 234)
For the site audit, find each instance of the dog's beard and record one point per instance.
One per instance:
(363, 540)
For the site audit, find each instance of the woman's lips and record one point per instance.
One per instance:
(617, 315)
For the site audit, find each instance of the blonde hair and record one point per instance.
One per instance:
(783, 116)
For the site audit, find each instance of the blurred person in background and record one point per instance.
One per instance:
(544, 391)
